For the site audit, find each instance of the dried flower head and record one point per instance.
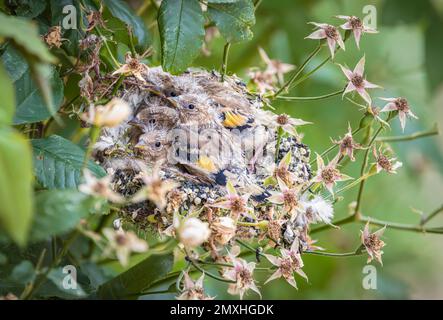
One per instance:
(223, 230)
(99, 187)
(133, 67)
(373, 243)
(123, 243)
(383, 162)
(263, 80)
(110, 115)
(347, 145)
(193, 290)
(357, 82)
(283, 121)
(356, 25)
(242, 274)
(402, 106)
(275, 67)
(288, 197)
(329, 175)
(289, 262)
(235, 203)
(328, 32)
(53, 37)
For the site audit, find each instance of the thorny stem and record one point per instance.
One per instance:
(325, 96)
(225, 60)
(285, 87)
(416, 135)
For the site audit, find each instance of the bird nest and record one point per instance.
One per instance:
(200, 132)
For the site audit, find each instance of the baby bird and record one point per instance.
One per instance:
(153, 145)
(193, 109)
(158, 116)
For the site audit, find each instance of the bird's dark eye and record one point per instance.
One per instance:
(151, 121)
(172, 93)
(158, 144)
(191, 106)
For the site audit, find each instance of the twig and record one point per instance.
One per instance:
(325, 96)
(427, 218)
(225, 60)
(417, 135)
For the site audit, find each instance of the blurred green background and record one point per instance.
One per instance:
(406, 59)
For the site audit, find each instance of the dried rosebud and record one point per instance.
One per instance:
(223, 230)
(390, 165)
(110, 115)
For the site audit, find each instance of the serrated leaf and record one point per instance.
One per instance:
(58, 163)
(234, 20)
(16, 196)
(121, 10)
(181, 25)
(131, 283)
(7, 103)
(30, 8)
(58, 211)
(29, 81)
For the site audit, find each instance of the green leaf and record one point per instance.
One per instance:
(25, 36)
(29, 8)
(58, 211)
(7, 103)
(16, 196)
(234, 20)
(223, 1)
(58, 163)
(131, 283)
(23, 273)
(121, 10)
(29, 80)
(181, 25)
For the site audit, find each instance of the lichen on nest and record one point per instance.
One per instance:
(200, 132)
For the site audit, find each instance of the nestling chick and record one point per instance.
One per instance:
(160, 117)
(153, 145)
(193, 109)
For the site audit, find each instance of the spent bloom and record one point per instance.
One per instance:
(288, 197)
(132, 67)
(289, 262)
(282, 170)
(193, 290)
(283, 121)
(402, 106)
(328, 174)
(372, 243)
(110, 115)
(223, 230)
(383, 162)
(123, 243)
(191, 231)
(356, 25)
(99, 187)
(275, 67)
(155, 189)
(328, 32)
(235, 203)
(318, 209)
(263, 80)
(357, 82)
(347, 145)
(242, 274)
